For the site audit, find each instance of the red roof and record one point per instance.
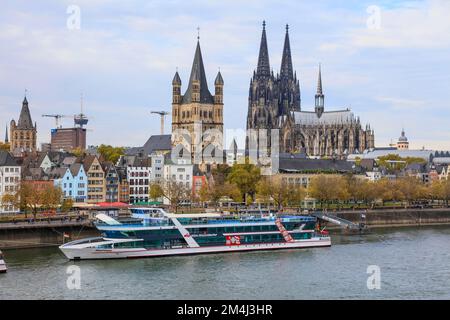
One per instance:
(112, 204)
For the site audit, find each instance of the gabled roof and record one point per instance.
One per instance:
(6, 160)
(87, 161)
(75, 168)
(57, 173)
(158, 143)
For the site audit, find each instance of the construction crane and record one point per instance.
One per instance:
(162, 114)
(57, 117)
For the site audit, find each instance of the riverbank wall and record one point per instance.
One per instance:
(43, 236)
(396, 217)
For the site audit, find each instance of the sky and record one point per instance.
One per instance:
(388, 61)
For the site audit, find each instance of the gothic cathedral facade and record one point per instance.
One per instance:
(275, 103)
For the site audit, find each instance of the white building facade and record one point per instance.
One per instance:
(10, 173)
(139, 180)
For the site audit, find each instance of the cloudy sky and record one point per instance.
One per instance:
(393, 71)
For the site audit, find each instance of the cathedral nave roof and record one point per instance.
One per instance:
(330, 117)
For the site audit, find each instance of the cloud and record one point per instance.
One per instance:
(126, 52)
(413, 25)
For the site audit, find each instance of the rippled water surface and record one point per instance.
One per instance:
(414, 263)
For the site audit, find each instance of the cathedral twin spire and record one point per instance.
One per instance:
(263, 68)
(286, 71)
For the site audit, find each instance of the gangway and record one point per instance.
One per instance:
(287, 237)
(343, 223)
(185, 233)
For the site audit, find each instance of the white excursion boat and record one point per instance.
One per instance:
(3, 267)
(151, 232)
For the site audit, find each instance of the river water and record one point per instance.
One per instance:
(414, 263)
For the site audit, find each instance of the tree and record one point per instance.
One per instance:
(440, 189)
(281, 193)
(214, 193)
(327, 188)
(173, 191)
(360, 189)
(110, 153)
(28, 197)
(245, 177)
(393, 162)
(411, 188)
(66, 205)
(4, 146)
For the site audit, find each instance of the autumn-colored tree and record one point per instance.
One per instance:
(411, 188)
(66, 205)
(172, 190)
(440, 189)
(30, 198)
(214, 193)
(360, 189)
(4, 146)
(328, 188)
(277, 190)
(78, 152)
(110, 153)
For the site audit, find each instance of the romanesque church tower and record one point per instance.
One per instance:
(23, 134)
(197, 108)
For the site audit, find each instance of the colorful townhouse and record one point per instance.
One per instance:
(73, 182)
(96, 191)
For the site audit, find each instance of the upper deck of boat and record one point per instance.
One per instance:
(207, 219)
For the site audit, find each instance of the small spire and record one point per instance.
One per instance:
(287, 28)
(176, 79)
(319, 81)
(25, 101)
(264, 24)
(198, 33)
(219, 79)
(6, 134)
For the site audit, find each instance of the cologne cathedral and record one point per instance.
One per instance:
(275, 103)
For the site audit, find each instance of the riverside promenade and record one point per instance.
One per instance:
(49, 231)
(45, 223)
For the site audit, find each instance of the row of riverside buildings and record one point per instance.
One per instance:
(89, 180)
(311, 142)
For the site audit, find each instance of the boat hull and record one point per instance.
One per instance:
(3, 267)
(92, 253)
